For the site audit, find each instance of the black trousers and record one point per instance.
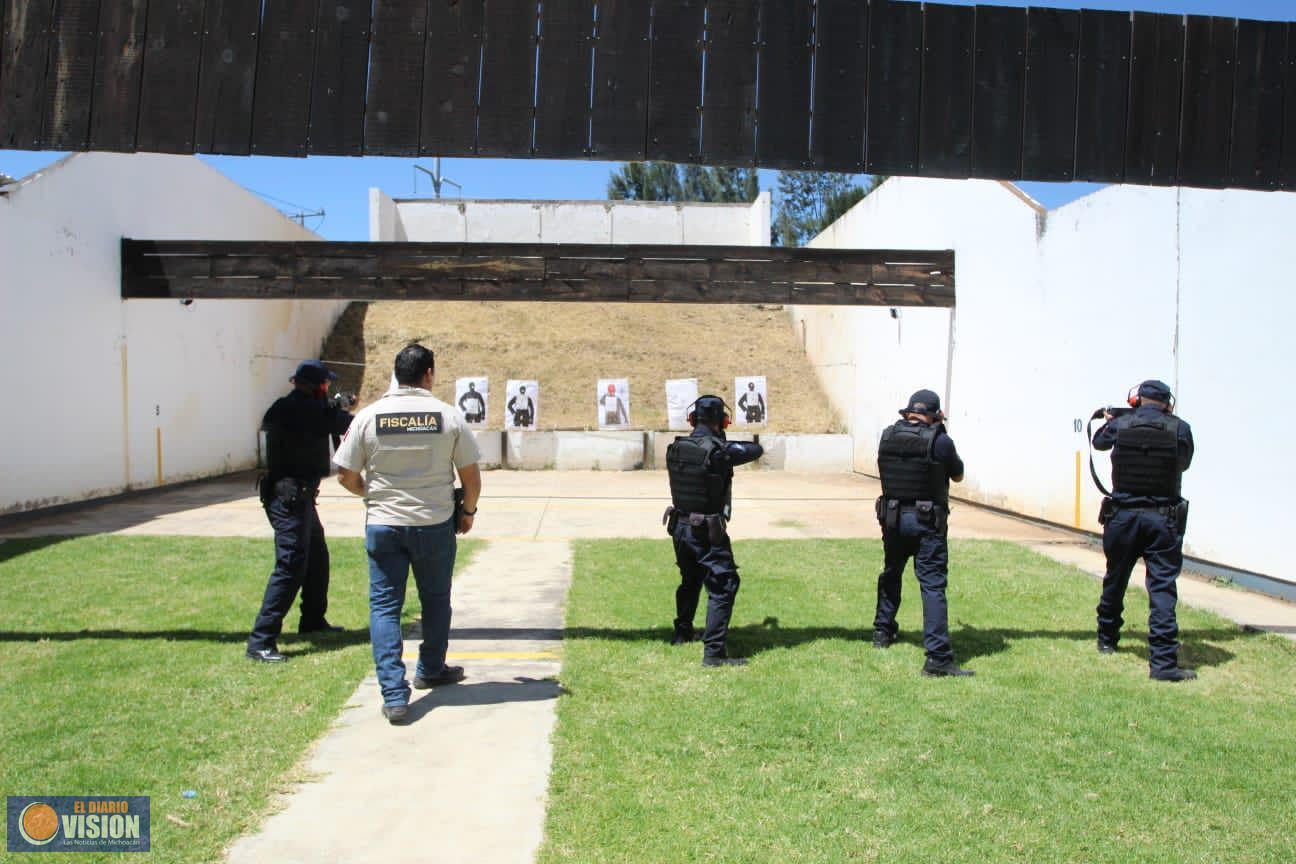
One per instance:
(702, 562)
(914, 538)
(301, 564)
(1128, 536)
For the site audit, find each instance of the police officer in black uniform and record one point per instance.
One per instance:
(917, 459)
(700, 466)
(298, 428)
(1145, 518)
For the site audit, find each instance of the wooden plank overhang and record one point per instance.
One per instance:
(532, 271)
(877, 86)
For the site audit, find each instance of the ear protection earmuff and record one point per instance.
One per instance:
(1135, 400)
(692, 414)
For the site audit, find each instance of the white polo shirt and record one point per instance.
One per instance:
(406, 446)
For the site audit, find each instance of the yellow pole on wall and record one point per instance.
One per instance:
(125, 397)
(1079, 475)
(159, 455)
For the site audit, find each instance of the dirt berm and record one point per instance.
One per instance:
(567, 347)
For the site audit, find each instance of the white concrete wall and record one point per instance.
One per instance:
(107, 395)
(494, 221)
(1060, 313)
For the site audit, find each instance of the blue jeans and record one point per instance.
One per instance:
(393, 551)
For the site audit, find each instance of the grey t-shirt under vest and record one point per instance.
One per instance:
(405, 445)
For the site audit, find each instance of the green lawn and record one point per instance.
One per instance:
(122, 673)
(827, 750)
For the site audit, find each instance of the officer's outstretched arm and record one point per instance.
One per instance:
(742, 452)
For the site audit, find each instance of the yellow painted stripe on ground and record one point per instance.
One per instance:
(494, 655)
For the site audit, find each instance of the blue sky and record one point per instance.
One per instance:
(339, 186)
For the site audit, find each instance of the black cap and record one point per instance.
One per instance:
(314, 372)
(709, 410)
(1154, 389)
(923, 402)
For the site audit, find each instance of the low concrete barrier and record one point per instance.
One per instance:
(631, 451)
(530, 451)
(491, 444)
(824, 454)
(599, 451)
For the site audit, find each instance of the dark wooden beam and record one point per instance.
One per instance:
(885, 86)
(182, 269)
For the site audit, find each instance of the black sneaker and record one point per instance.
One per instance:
(397, 715)
(883, 639)
(447, 675)
(1106, 646)
(724, 661)
(266, 655)
(945, 670)
(1173, 675)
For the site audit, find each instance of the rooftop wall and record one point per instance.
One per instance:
(491, 221)
(116, 395)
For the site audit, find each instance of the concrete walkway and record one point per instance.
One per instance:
(383, 790)
(465, 781)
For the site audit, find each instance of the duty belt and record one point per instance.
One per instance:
(1163, 509)
(697, 520)
(713, 522)
(888, 512)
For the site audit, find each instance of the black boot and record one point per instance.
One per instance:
(1174, 675)
(948, 669)
(683, 634)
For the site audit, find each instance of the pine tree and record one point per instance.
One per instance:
(810, 201)
(664, 181)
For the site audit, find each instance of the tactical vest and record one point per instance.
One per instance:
(1145, 459)
(909, 470)
(292, 450)
(694, 487)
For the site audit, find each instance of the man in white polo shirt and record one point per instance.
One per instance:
(400, 455)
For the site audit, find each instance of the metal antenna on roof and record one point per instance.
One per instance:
(437, 177)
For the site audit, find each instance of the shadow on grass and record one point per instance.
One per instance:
(520, 689)
(969, 642)
(1196, 650)
(293, 644)
(12, 547)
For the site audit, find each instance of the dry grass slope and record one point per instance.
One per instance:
(568, 346)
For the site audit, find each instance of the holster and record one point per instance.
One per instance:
(716, 528)
(286, 489)
(1180, 514)
(888, 513)
(1106, 510)
(670, 518)
(932, 514)
(458, 507)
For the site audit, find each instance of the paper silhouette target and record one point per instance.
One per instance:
(471, 395)
(522, 405)
(750, 401)
(613, 397)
